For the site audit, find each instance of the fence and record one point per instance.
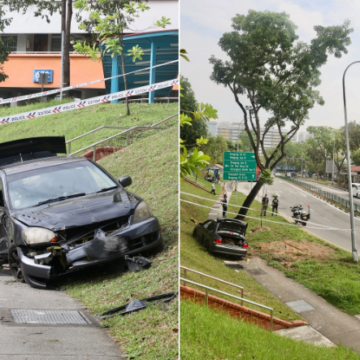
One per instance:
(326, 194)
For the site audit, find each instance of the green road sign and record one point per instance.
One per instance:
(236, 156)
(239, 166)
(238, 176)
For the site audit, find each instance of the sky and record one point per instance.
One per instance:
(203, 22)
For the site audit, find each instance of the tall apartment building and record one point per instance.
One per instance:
(301, 136)
(233, 130)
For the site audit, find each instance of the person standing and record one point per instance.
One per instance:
(265, 204)
(213, 188)
(224, 205)
(275, 204)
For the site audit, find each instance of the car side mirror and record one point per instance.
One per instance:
(125, 181)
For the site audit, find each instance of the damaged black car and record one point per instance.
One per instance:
(59, 214)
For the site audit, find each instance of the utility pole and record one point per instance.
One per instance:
(351, 200)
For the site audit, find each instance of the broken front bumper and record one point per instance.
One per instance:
(129, 240)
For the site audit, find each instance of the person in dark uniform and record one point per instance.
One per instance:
(275, 204)
(265, 204)
(224, 205)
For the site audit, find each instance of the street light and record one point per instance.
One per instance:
(353, 240)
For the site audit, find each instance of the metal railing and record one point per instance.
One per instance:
(207, 288)
(155, 99)
(213, 278)
(327, 194)
(127, 132)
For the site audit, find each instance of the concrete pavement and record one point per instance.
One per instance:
(72, 333)
(216, 210)
(330, 322)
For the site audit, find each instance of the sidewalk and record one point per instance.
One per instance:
(331, 323)
(29, 331)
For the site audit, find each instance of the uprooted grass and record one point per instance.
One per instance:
(206, 334)
(195, 256)
(334, 277)
(150, 333)
(77, 122)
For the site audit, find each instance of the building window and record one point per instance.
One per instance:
(55, 42)
(10, 42)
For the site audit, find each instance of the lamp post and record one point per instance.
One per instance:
(353, 240)
(332, 176)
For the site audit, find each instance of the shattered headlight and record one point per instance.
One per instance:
(142, 212)
(36, 235)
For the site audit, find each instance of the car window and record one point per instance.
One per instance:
(207, 224)
(28, 188)
(212, 226)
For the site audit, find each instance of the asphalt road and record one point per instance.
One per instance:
(322, 213)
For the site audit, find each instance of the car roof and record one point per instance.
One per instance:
(40, 163)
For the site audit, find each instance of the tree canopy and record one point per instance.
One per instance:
(270, 69)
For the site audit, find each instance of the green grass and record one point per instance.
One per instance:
(233, 339)
(77, 122)
(195, 256)
(147, 334)
(335, 278)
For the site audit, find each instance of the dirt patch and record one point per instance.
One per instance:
(258, 229)
(289, 251)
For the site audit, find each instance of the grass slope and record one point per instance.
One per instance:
(147, 334)
(195, 256)
(77, 122)
(232, 339)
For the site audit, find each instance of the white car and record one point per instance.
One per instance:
(356, 189)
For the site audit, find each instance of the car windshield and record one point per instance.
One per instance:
(231, 226)
(56, 183)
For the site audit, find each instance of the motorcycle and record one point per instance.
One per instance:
(299, 215)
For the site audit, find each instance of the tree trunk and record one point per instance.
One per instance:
(68, 13)
(248, 201)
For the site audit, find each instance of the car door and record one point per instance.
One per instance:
(208, 226)
(3, 220)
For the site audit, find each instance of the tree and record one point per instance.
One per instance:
(109, 19)
(274, 72)
(45, 9)
(323, 136)
(215, 148)
(4, 52)
(188, 105)
(355, 157)
(315, 156)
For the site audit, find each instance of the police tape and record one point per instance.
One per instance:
(56, 91)
(317, 227)
(88, 102)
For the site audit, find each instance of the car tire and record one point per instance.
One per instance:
(15, 264)
(194, 233)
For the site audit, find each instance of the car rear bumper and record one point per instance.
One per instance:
(228, 249)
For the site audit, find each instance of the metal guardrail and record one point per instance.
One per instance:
(127, 132)
(213, 278)
(326, 194)
(155, 99)
(207, 288)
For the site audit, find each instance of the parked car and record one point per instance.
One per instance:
(59, 214)
(356, 189)
(223, 236)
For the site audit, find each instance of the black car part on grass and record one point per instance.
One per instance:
(137, 263)
(137, 305)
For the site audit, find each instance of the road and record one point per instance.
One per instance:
(322, 213)
(336, 191)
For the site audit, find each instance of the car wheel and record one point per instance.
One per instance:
(15, 264)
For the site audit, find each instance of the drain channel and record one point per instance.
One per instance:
(52, 317)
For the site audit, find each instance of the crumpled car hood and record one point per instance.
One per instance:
(79, 211)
